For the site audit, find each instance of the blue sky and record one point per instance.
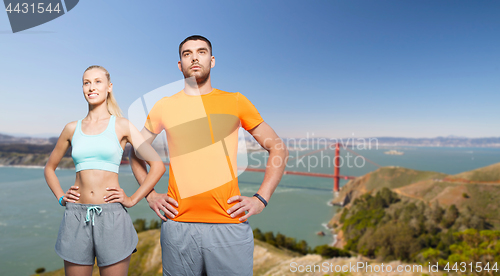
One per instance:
(328, 68)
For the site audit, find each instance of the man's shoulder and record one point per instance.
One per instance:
(233, 96)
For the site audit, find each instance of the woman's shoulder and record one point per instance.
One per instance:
(69, 129)
(123, 124)
(71, 126)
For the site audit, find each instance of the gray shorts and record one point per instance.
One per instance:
(220, 249)
(103, 231)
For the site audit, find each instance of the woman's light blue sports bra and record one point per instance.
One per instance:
(96, 152)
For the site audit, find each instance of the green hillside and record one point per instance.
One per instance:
(31, 159)
(395, 177)
(490, 173)
(476, 189)
(385, 177)
(386, 226)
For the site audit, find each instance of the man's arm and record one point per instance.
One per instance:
(278, 156)
(156, 201)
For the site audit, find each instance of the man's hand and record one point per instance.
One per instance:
(251, 204)
(162, 202)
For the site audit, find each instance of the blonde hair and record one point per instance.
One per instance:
(113, 107)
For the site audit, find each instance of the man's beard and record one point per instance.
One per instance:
(200, 79)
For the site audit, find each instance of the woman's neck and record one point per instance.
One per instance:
(97, 113)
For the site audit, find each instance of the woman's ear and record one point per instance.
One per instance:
(110, 88)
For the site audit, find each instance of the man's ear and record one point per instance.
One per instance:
(212, 62)
(179, 65)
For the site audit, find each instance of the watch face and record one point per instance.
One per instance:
(26, 14)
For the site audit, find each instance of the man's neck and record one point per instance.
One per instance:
(191, 88)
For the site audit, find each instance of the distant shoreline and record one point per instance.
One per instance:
(31, 167)
(68, 165)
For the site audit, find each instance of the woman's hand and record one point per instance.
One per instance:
(118, 195)
(71, 195)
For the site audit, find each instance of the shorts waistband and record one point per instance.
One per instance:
(105, 206)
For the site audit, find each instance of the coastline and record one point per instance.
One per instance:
(331, 230)
(23, 166)
(30, 167)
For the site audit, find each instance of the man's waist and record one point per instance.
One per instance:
(220, 220)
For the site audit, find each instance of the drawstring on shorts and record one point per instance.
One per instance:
(92, 209)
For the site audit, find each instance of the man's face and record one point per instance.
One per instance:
(196, 60)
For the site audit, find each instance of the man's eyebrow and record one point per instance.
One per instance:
(199, 49)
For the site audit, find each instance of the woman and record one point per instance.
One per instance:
(95, 222)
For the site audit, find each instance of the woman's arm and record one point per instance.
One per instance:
(157, 201)
(62, 145)
(144, 151)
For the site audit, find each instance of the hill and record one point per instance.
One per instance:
(489, 174)
(477, 190)
(30, 155)
(385, 177)
(31, 159)
(37, 155)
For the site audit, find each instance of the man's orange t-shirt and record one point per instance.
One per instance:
(202, 137)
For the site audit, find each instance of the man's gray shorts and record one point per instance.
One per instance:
(206, 248)
(103, 231)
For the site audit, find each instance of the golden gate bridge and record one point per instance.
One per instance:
(336, 168)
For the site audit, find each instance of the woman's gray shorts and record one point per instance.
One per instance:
(103, 231)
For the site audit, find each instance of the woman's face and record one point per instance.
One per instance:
(95, 86)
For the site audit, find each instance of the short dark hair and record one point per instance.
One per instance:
(195, 37)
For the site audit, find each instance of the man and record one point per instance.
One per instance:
(207, 232)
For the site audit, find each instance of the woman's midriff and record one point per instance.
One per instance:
(92, 185)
